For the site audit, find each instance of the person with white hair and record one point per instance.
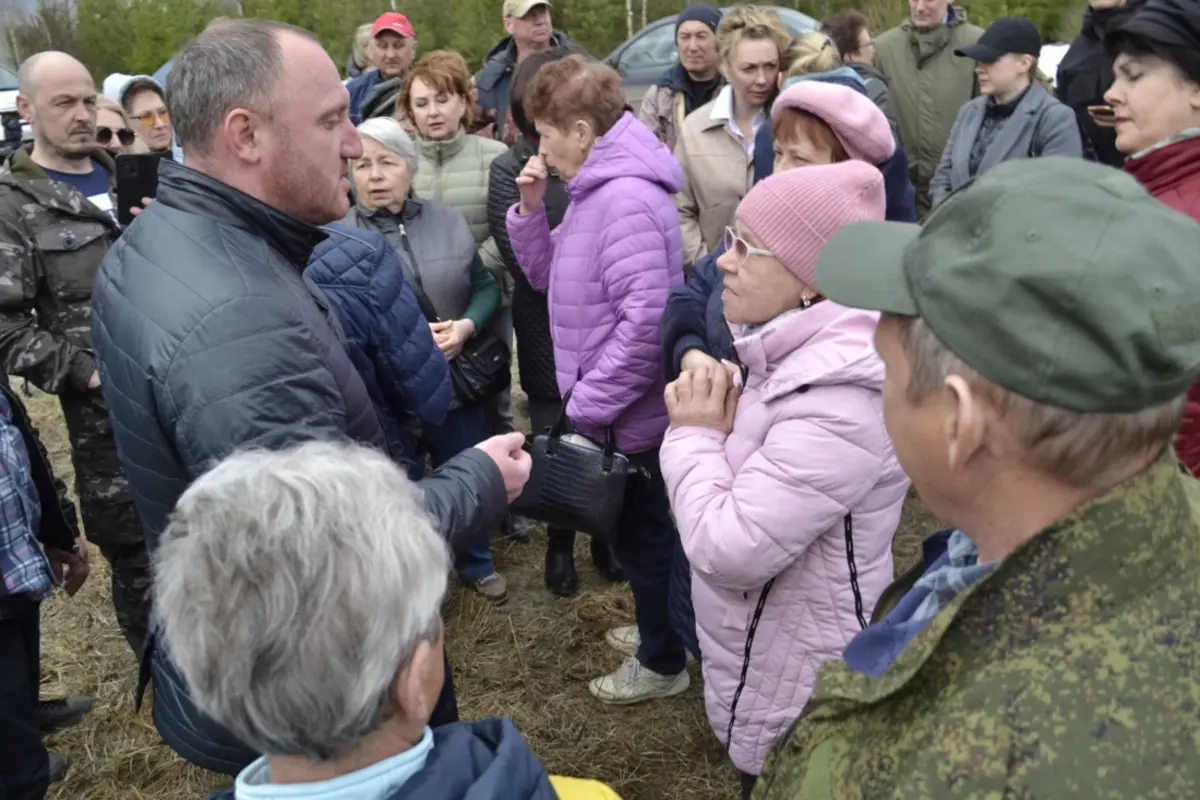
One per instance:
(438, 254)
(334, 679)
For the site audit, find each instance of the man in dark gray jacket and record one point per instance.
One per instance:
(208, 338)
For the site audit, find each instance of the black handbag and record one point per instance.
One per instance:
(576, 483)
(481, 370)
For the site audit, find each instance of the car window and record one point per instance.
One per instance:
(654, 47)
(8, 80)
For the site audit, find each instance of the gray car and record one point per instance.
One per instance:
(642, 60)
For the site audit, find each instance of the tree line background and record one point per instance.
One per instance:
(138, 36)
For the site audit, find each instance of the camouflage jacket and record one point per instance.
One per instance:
(52, 240)
(1069, 671)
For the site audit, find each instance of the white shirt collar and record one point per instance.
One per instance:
(722, 111)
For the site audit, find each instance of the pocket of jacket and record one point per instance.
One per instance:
(18, 283)
(71, 254)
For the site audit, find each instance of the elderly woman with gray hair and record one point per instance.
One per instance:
(439, 258)
(333, 680)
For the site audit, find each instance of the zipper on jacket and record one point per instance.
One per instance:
(848, 527)
(737, 693)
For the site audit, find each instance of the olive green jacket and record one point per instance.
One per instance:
(1071, 671)
(928, 84)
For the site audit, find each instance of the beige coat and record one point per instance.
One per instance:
(717, 173)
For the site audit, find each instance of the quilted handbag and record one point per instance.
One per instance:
(576, 482)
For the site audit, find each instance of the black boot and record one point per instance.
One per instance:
(561, 577)
(61, 712)
(605, 559)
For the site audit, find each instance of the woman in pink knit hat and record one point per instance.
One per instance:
(781, 475)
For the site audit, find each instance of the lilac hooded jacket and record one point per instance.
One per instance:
(607, 271)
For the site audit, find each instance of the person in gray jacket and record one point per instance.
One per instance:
(1015, 115)
(208, 338)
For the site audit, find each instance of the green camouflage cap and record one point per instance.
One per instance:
(1058, 279)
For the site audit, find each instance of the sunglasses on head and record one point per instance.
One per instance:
(104, 135)
(147, 119)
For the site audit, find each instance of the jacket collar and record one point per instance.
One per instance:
(439, 152)
(22, 173)
(1168, 164)
(1077, 572)
(825, 344)
(194, 192)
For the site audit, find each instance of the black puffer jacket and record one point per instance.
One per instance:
(531, 317)
(207, 339)
(1084, 75)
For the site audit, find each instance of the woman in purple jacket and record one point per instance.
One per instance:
(607, 271)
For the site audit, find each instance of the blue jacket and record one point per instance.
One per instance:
(901, 197)
(388, 339)
(485, 760)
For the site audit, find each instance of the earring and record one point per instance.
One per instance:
(805, 302)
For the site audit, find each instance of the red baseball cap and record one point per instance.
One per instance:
(394, 22)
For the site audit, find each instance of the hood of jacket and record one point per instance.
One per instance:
(827, 344)
(628, 150)
(864, 71)
(20, 165)
(484, 760)
(503, 56)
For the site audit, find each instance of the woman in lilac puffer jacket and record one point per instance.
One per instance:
(607, 271)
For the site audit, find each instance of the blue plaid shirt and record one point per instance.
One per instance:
(950, 581)
(23, 564)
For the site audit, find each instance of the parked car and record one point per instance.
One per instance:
(12, 130)
(643, 59)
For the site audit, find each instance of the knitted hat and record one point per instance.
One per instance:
(793, 213)
(699, 12)
(858, 124)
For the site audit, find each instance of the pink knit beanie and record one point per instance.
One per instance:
(793, 213)
(856, 121)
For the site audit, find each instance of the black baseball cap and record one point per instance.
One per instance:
(1005, 35)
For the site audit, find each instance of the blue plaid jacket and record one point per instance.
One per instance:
(23, 565)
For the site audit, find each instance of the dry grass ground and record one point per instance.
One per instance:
(529, 660)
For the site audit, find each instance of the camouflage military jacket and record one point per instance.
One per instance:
(52, 241)
(1071, 671)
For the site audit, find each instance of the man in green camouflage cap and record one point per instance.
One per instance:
(1040, 332)
(56, 225)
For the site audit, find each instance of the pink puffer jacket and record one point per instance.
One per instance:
(763, 517)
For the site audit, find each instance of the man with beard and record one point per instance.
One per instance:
(693, 81)
(208, 337)
(530, 30)
(56, 225)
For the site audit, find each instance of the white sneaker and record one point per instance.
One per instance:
(632, 683)
(626, 639)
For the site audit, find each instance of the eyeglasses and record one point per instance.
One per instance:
(742, 249)
(148, 118)
(104, 135)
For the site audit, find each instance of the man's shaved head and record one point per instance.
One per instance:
(37, 66)
(57, 96)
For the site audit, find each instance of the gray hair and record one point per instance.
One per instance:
(391, 134)
(236, 63)
(1076, 447)
(292, 587)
